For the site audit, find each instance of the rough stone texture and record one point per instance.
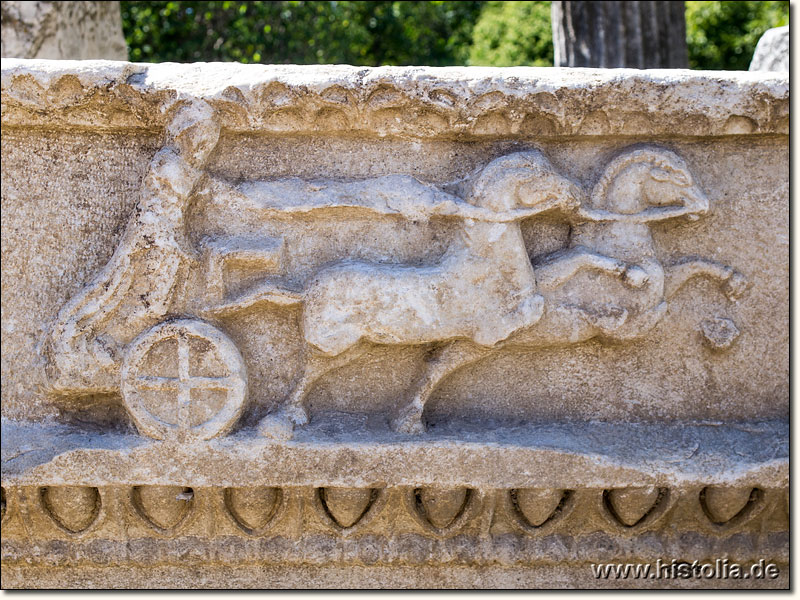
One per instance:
(468, 104)
(62, 30)
(772, 51)
(396, 327)
(615, 34)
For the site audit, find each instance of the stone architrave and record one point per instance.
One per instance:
(772, 51)
(397, 327)
(77, 30)
(620, 33)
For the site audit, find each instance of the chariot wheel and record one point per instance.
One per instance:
(184, 380)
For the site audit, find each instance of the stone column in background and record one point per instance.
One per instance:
(63, 30)
(643, 35)
(772, 51)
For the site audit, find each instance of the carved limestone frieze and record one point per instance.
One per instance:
(277, 326)
(152, 323)
(86, 513)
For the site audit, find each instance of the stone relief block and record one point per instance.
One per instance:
(373, 318)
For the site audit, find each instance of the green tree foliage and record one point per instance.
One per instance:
(359, 33)
(723, 35)
(513, 33)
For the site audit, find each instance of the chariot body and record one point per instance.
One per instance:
(152, 324)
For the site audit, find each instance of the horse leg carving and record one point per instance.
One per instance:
(571, 324)
(317, 366)
(638, 326)
(559, 267)
(527, 313)
(446, 360)
(294, 412)
(732, 282)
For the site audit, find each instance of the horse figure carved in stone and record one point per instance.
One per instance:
(483, 289)
(608, 283)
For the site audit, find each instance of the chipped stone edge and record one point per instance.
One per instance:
(412, 102)
(98, 467)
(242, 460)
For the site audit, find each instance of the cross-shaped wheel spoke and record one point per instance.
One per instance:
(184, 383)
(173, 384)
(176, 391)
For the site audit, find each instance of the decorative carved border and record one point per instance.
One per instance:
(377, 501)
(663, 503)
(10, 504)
(508, 502)
(196, 506)
(281, 503)
(756, 504)
(480, 511)
(488, 531)
(418, 102)
(99, 516)
(473, 503)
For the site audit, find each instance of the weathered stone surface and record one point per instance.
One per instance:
(391, 327)
(772, 51)
(576, 454)
(72, 507)
(631, 506)
(252, 508)
(538, 506)
(475, 103)
(724, 504)
(62, 30)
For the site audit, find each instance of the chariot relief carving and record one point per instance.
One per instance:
(151, 324)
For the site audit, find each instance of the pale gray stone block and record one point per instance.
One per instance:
(772, 51)
(62, 30)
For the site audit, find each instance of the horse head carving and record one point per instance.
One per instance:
(609, 282)
(645, 185)
(523, 179)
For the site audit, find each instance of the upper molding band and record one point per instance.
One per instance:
(464, 103)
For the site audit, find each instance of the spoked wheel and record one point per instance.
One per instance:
(184, 380)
